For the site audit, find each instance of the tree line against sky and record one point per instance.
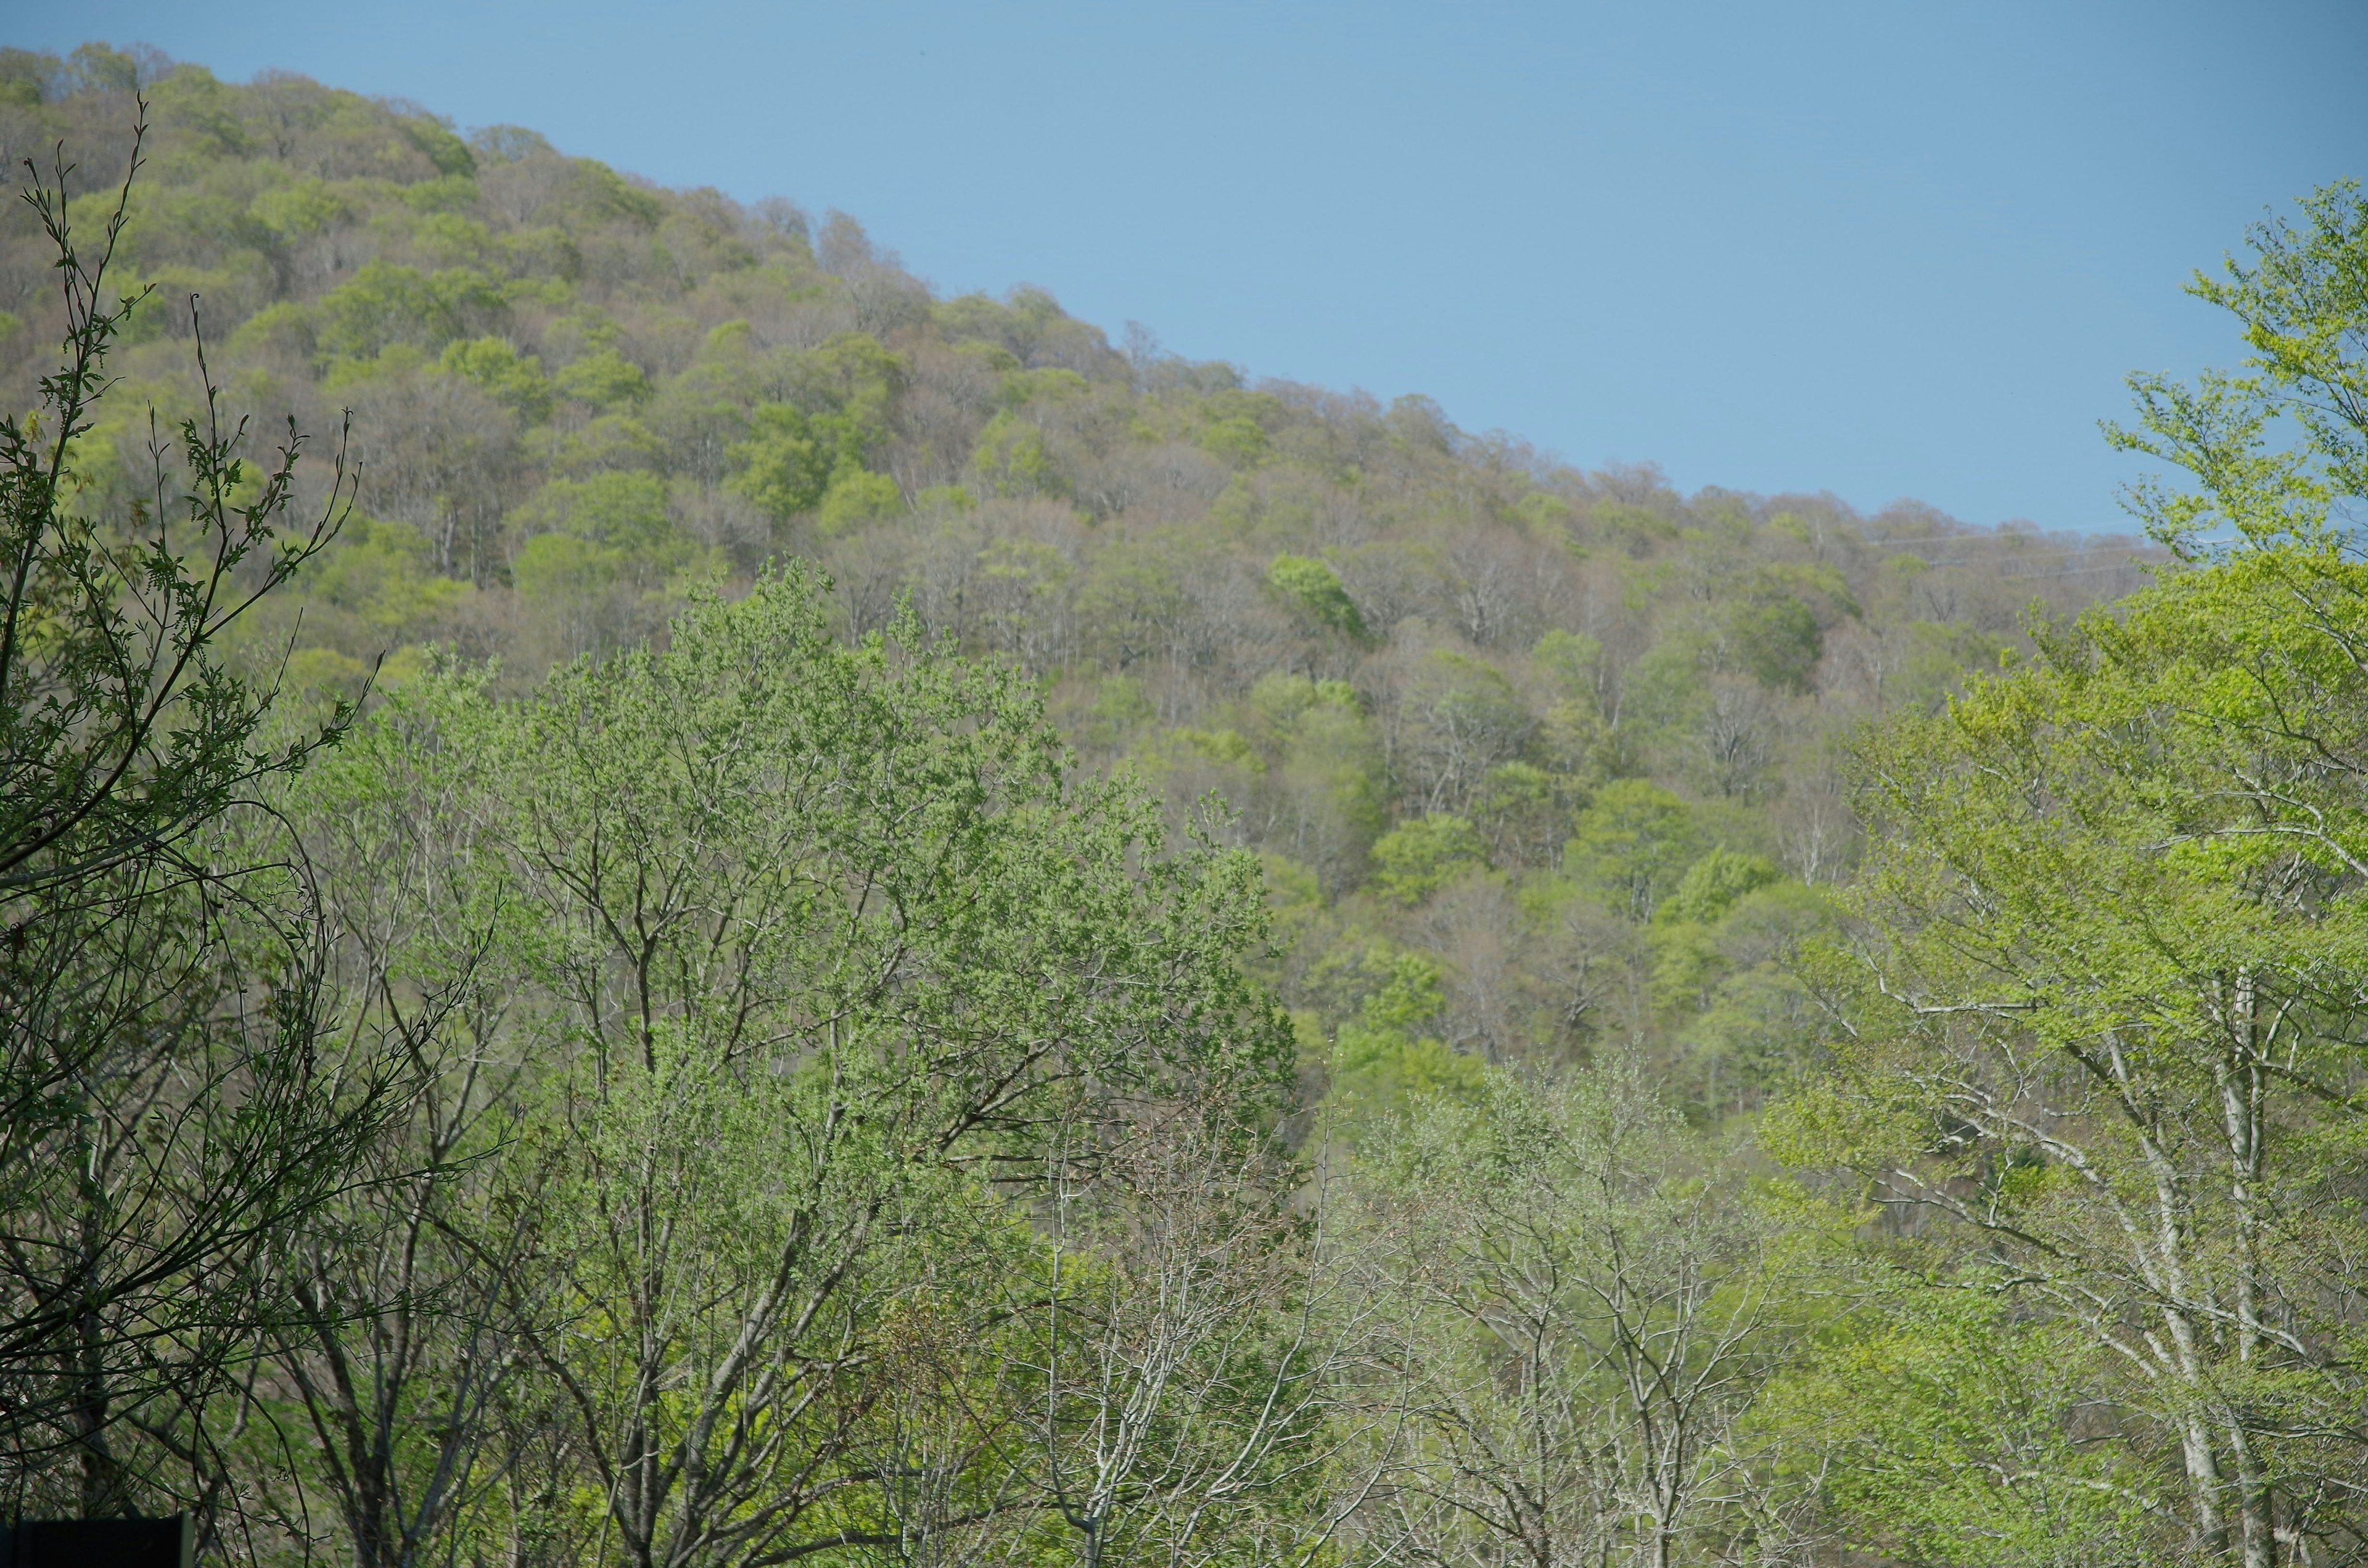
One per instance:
(767, 917)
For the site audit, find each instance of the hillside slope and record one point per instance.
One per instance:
(1539, 757)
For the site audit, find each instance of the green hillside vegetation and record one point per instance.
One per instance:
(820, 923)
(1472, 706)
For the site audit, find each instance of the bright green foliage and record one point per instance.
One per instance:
(587, 546)
(1523, 811)
(1953, 1430)
(381, 571)
(857, 496)
(2303, 305)
(1314, 589)
(496, 365)
(565, 569)
(1012, 460)
(386, 303)
(798, 452)
(786, 463)
(761, 767)
(2103, 1020)
(850, 372)
(624, 512)
(768, 979)
(799, 932)
(1327, 783)
(1017, 388)
(1712, 884)
(604, 378)
(608, 442)
(1573, 660)
(1585, 1307)
(2133, 867)
(1753, 1025)
(2117, 910)
(1634, 843)
(1289, 699)
(301, 207)
(1776, 640)
(1385, 1057)
(1237, 440)
(1547, 515)
(1516, 637)
(1415, 860)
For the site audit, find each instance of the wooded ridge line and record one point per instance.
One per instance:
(667, 900)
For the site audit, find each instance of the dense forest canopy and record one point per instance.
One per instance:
(802, 920)
(1400, 652)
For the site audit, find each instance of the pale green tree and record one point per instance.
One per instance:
(825, 940)
(1580, 1311)
(2106, 1010)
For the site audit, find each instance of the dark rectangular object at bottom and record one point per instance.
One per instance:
(97, 1543)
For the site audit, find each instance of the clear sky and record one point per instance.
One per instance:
(1884, 247)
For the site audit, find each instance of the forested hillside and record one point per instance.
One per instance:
(1480, 710)
(769, 917)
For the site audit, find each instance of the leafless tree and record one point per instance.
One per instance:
(1191, 1377)
(1737, 734)
(1582, 1308)
(1472, 924)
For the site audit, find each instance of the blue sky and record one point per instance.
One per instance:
(1882, 248)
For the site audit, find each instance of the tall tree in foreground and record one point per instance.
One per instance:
(1186, 1373)
(803, 950)
(1583, 1311)
(2108, 1014)
(165, 1115)
(397, 1345)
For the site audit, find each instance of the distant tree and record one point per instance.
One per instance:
(1314, 591)
(1457, 718)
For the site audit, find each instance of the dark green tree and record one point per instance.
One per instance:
(159, 973)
